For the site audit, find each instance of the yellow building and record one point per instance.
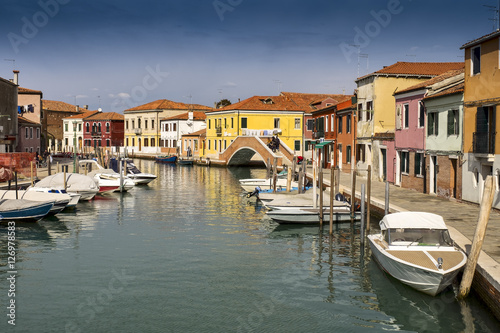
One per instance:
(142, 124)
(481, 106)
(377, 108)
(258, 116)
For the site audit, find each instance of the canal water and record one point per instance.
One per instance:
(189, 253)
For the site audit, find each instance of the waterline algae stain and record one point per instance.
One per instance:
(189, 253)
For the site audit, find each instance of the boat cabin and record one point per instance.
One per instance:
(422, 229)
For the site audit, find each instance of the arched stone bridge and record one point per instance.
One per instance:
(243, 148)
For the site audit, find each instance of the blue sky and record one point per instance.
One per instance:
(117, 54)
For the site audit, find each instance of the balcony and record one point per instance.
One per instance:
(318, 135)
(218, 130)
(138, 131)
(483, 143)
(95, 134)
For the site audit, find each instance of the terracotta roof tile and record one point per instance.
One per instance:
(459, 88)
(22, 90)
(432, 81)
(416, 68)
(197, 115)
(58, 106)
(165, 104)
(22, 120)
(106, 116)
(264, 103)
(201, 132)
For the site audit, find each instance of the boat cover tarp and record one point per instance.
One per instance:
(75, 182)
(412, 220)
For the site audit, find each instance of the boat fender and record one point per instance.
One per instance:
(440, 263)
(255, 192)
(339, 197)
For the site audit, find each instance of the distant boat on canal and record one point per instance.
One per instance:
(166, 159)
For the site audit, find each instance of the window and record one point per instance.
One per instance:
(126, 141)
(369, 110)
(209, 145)
(310, 124)
(38, 133)
(209, 123)
(326, 124)
(419, 159)
(175, 127)
(243, 125)
(99, 127)
(405, 162)
(406, 115)
(225, 144)
(107, 127)
(475, 57)
(196, 143)
(348, 154)
(126, 124)
(421, 114)
(232, 122)
(79, 127)
(432, 123)
(297, 145)
(133, 124)
(339, 129)
(215, 145)
(225, 122)
(66, 127)
(276, 122)
(108, 143)
(139, 123)
(146, 141)
(66, 141)
(361, 152)
(31, 132)
(152, 124)
(348, 124)
(145, 124)
(133, 142)
(27, 133)
(297, 123)
(453, 122)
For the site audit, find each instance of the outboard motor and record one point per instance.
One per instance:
(255, 192)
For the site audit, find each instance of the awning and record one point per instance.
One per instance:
(322, 144)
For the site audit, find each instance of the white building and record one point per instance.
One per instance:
(73, 131)
(173, 128)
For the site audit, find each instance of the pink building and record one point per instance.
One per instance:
(29, 136)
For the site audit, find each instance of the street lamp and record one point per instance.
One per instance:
(74, 146)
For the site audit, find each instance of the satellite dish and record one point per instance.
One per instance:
(100, 110)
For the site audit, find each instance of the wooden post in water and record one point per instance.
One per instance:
(320, 176)
(362, 229)
(386, 198)
(289, 181)
(477, 243)
(332, 194)
(268, 168)
(65, 181)
(275, 173)
(301, 181)
(368, 197)
(31, 173)
(49, 165)
(15, 175)
(57, 167)
(120, 161)
(337, 181)
(294, 164)
(353, 193)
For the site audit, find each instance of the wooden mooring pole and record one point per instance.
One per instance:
(362, 228)
(368, 197)
(353, 193)
(386, 198)
(320, 176)
(332, 194)
(477, 243)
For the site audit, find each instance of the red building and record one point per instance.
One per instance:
(103, 129)
(334, 131)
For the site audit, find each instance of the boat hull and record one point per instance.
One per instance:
(304, 216)
(430, 281)
(33, 211)
(169, 159)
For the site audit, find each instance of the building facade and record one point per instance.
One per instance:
(481, 106)
(103, 129)
(73, 131)
(142, 124)
(54, 112)
(8, 116)
(173, 128)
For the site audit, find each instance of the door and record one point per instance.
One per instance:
(433, 170)
(383, 169)
(397, 169)
(453, 176)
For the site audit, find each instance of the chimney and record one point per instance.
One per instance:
(16, 77)
(78, 108)
(190, 115)
(86, 107)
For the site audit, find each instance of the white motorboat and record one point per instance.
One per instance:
(60, 200)
(75, 183)
(311, 215)
(264, 184)
(107, 179)
(416, 249)
(74, 197)
(23, 210)
(137, 176)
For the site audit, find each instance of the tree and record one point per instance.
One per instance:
(222, 103)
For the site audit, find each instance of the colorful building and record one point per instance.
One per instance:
(142, 123)
(376, 108)
(54, 112)
(73, 131)
(174, 127)
(103, 129)
(481, 104)
(257, 116)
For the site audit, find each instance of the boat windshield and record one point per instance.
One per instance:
(132, 168)
(422, 237)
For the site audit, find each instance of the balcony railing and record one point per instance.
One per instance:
(95, 134)
(218, 130)
(484, 143)
(138, 131)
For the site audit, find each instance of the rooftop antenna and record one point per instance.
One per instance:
(358, 47)
(278, 82)
(363, 55)
(496, 17)
(13, 62)
(99, 98)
